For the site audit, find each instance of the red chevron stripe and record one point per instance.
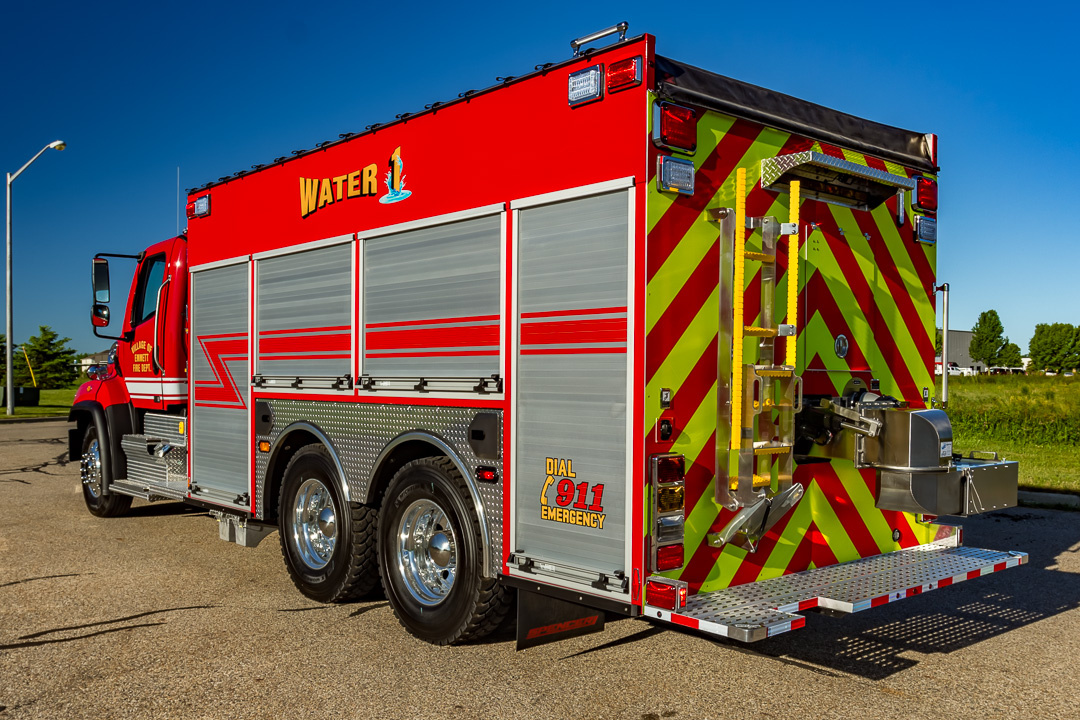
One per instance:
(694, 293)
(850, 519)
(845, 257)
(687, 209)
(691, 394)
(897, 289)
(915, 250)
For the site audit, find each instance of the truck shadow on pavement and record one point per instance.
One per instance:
(872, 644)
(39, 638)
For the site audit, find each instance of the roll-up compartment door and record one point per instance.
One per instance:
(220, 446)
(431, 301)
(304, 317)
(570, 476)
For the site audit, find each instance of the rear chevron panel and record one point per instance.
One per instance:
(863, 276)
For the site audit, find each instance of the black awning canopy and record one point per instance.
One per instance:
(688, 84)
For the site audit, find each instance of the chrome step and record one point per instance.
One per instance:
(156, 468)
(151, 491)
(758, 610)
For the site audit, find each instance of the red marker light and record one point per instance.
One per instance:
(669, 557)
(926, 194)
(678, 127)
(624, 74)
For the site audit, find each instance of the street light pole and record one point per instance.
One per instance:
(9, 364)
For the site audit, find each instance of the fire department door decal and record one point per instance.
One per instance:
(571, 383)
(220, 446)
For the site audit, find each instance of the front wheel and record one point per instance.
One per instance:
(430, 556)
(328, 544)
(91, 471)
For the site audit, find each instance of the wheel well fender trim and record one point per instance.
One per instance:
(321, 437)
(448, 450)
(97, 417)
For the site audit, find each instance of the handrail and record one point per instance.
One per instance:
(157, 316)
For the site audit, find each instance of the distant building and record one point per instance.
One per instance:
(959, 351)
(95, 359)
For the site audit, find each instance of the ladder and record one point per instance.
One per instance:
(756, 401)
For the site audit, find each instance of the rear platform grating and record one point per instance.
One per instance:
(758, 610)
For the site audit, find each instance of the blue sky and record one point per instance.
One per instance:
(137, 89)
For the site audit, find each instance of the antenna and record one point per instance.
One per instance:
(177, 199)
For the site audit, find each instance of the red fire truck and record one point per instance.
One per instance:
(620, 335)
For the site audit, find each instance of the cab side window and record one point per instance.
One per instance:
(150, 280)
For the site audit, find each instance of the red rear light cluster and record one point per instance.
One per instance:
(926, 194)
(670, 468)
(669, 557)
(664, 593)
(624, 74)
(668, 511)
(677, 128)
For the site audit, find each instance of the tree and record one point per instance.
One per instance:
(53, 362)
(987, 339)
(937, 342)
(1010, 356)
(1055, 346)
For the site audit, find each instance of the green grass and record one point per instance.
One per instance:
(54, 403)
(1033, 420)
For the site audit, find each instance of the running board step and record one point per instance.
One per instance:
(758, 610)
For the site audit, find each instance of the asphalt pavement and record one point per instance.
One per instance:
(152, 616)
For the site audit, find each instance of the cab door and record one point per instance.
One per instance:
(151, 359)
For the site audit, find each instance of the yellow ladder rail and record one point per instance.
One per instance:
(737, 311)
(793, 275)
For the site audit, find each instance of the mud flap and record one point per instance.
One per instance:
(542, 619)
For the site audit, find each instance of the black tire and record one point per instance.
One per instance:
(91, 472)
(330, 568)
(433, 495)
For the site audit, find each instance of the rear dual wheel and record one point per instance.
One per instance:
(430, 556)
(328, 544)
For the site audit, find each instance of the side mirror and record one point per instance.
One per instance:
(100, 281)
(99, 315)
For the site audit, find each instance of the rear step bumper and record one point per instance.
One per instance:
(758, 610)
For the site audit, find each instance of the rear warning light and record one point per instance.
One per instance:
(664, 593)
(677, 128)
(675, 175)
(585, 85)
(199, 207)
(926, 194)
(670, 468)
(624, 74)
(669, 557)
(669, 498)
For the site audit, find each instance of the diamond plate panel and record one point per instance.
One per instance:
(773, 168)
(360, 431)
(762, 609)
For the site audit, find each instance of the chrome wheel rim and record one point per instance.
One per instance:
(314, 524)
(426, 551)
(90, 469)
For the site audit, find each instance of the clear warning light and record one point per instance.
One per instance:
(675, 174)
(585, 85)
